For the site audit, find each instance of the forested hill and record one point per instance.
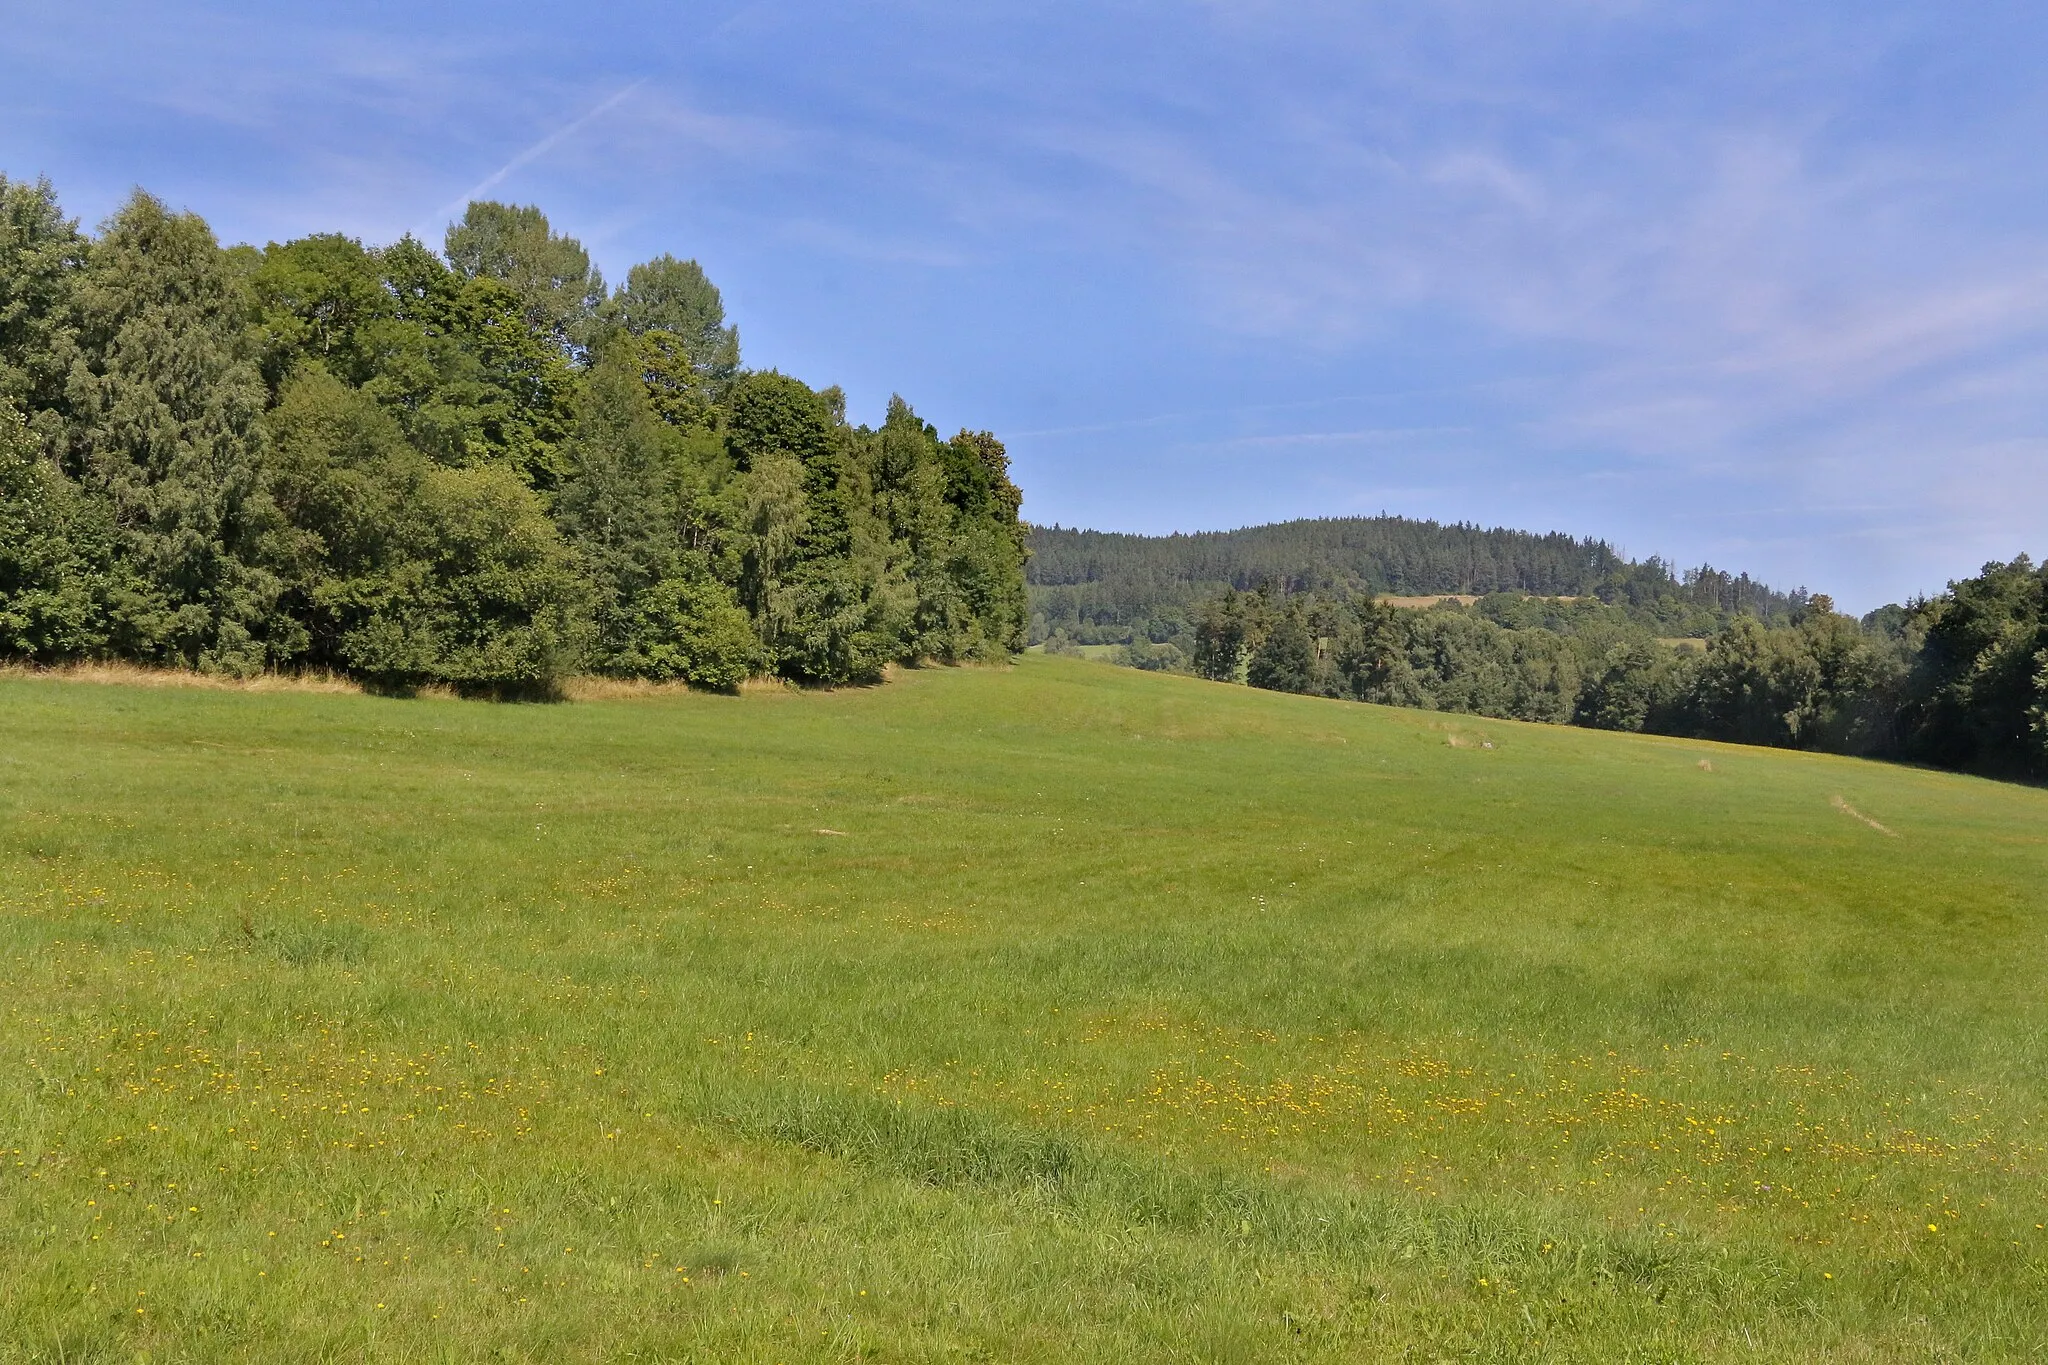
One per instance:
(1102, 586)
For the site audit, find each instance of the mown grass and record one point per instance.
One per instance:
(1124, 1017)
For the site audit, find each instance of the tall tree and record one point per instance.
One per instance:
(165, 400)
(990, 543)
(560, 293)
(672, 296)
(408, 572)
(660, 611)
(41, 252)
(832, 604)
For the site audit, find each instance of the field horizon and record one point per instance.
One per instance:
(1041, 1012)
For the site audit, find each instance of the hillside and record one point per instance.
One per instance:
(1047, 1013)
(1103, 587)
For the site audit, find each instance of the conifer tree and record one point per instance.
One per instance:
(165, 400)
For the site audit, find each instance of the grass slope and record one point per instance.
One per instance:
(1123, 1017)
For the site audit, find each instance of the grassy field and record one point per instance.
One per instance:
(1060, 1013)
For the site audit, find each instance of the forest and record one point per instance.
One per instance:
(477, 468)
(1959, 680)
(1563, 630)
(1097, 588)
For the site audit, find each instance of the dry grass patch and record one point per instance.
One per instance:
(137, 675)
(1423, 603)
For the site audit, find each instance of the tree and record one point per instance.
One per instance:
(41, 252)
(485, 595)
(1286, 660)
(659, 611)
(1374, 662)
(559, 292)
(461, 471)
(408, 573)
(59, 576)
(321, 298)
(908, 474)
(1632, 682)
(674, 297)
(1977, 690)
(990, 544)
(165, 401)
(1228, 631)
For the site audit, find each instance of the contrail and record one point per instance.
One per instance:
(538, 149)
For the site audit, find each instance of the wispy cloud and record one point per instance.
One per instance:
(540, 148)
(1676, 274)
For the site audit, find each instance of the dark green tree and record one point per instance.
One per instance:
(660, 611)
(409, 573)
(61, 578)
(1228, 631)
(41, 253)
(989, 544)
(1288, 659)
(476, 471)
(165, 400)
(322, 298)
(1978, 694)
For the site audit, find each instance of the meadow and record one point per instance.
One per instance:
(1049, 1013)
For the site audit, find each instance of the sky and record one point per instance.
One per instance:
(1760, 285)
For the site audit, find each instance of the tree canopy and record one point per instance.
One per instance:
(1959, 680)
(478, 467)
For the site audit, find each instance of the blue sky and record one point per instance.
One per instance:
(1759, 284)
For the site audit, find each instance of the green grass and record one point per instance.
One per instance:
(1126, 1017)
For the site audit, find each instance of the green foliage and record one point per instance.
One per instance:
(628, 508)
(485, 596)
(1103, 587)
(165, 403)
(674, 297)
(1290, 658)
(480, 472)
(559, 294)
(59, 580)
(1980, 685)
(1455, 661)
(1630, 686)
(40, 255)
(691, 629)
(412, 573)
(1820, 684)
(323, 299)
(1961, 680)
(1229, 630)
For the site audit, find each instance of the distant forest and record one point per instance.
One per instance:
(1100, 587)
(1564, 631)
(476, 466)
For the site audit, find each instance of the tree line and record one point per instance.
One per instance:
(1959, 680)
(478, 467)
(1145, 592)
